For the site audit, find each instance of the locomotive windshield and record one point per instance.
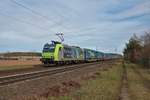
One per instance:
(49, 48)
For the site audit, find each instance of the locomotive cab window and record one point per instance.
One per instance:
(49, 48)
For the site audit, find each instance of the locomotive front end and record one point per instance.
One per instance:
(48, 53)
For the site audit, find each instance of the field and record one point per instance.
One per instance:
(64, 84)
(19, 60)
(138, 82)
(102, 85)
(121, 82)
(17, 64)
(105, 86)
(111, 81)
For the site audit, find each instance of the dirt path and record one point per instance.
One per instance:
(124, 90)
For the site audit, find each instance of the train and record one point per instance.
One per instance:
(58, 53)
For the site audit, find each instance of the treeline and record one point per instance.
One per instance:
(15, 54)
(137, 50)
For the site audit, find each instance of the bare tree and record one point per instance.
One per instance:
(132, 52)
(146, 49)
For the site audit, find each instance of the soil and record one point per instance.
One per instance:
(18, 62)
(35, 65)
(21, 71)
(124, 90)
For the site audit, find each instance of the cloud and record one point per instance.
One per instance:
(107, 24)
(137, 10)
(129, 11)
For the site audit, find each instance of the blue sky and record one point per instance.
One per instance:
(105, 24)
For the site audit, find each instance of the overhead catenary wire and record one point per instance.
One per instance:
(42, 16)
(36, 25)
(24, 22)
(83, 30)
(38, 14)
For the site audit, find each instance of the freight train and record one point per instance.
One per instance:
(58, 53)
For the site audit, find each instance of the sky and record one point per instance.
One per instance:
(105, 25)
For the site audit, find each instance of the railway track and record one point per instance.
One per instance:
(5, 80)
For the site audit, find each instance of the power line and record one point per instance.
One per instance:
(42, 16)
(83, 30)
(70, 9)
(45, 17)
(22, 21)
(36, 13)
(42, 28)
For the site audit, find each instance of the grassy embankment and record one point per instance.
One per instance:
(139, 82)
(105, 86)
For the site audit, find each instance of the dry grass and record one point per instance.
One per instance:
(106, 84)
(139, 82)
(103, 85)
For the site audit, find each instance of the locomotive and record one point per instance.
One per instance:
(58, 53)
